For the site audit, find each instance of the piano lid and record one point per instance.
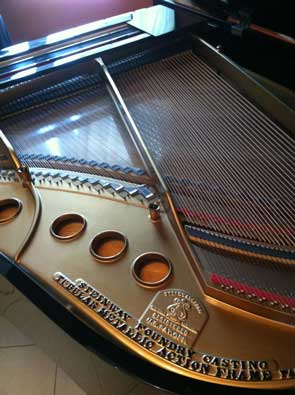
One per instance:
(267, 13)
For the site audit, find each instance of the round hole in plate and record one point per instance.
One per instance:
(151, 269)
(108, 246)
(9, 209)
(68, 226)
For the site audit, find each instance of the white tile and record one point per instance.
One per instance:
(114, 381)
(5, 286)
(10, 336)
(143, 389)
(8, 294)
(69, 355)
(26, 371)
(92, 375)
(65, 385)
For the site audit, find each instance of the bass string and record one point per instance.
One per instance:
(182, 148)
(278, 133)
(217, 136)
(260, 133)
(144, 79)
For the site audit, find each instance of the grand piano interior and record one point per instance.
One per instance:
(147, 195)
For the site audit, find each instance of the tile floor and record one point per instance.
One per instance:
(27, 369)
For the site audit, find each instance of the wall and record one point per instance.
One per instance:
(30, 19)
